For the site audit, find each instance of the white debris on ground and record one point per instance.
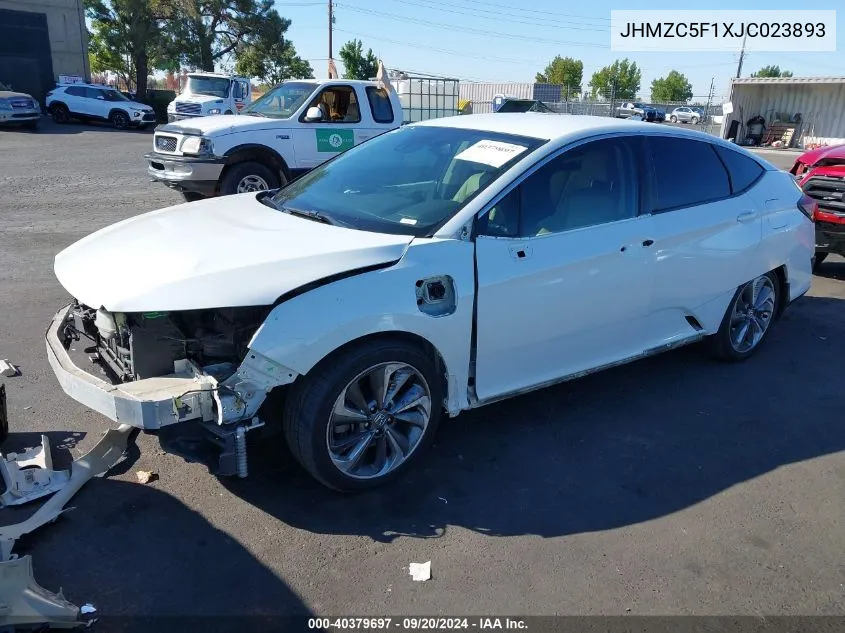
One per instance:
(87, 609)
(7, 369)
(146, 476)
(420, 571)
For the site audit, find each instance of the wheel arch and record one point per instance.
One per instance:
(781, 275)
(55, 103)
(114, 111)
(259, 153)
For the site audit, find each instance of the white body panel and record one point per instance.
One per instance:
(164, 260)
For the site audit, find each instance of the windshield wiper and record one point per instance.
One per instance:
(253, 113)
(311, 215)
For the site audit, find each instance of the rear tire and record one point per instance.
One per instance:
(311, 426)
(673, 119)
(248, 176)
(747, 320)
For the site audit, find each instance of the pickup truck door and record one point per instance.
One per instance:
(346, 122)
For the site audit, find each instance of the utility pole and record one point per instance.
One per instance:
(741, 58)
(709, 101)
(331, 22)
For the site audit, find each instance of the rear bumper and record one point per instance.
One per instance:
(145, 404)
(185, 173)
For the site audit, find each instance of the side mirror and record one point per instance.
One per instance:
(313, 115)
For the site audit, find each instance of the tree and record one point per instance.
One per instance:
(563, 71)
(211, 31)
(672, 87)
(127, 37)
(772, 71)
(620, 80)
(356, 65)
(272, 58)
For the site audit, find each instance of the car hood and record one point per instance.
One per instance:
(815, 155)
(831, 171)
(219, 124)
(225, 252)
(11, 94)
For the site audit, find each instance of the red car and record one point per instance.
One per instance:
(821, 174)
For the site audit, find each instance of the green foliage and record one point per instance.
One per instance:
(772, 71)
(563, 71)
(620, 80)
(356, 65)
(672, 87)
(272, 58)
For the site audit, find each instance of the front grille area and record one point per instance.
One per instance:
(165, 143)
(188, 108)
(828, 192)
(149, 117)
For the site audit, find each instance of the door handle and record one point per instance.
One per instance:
(520, 251)
(746, 216)
(648, 243)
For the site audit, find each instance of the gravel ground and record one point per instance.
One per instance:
(675, 485)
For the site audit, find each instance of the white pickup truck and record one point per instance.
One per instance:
(288, 131)
(206, 94)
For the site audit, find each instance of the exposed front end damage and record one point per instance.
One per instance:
(156, 369)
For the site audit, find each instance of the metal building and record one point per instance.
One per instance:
(40, 40)
(810, 110)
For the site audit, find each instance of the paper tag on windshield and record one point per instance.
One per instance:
(493, 153)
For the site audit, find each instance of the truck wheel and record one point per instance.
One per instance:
(359, 419)
(248, 176)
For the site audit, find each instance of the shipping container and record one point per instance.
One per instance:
(809, 110)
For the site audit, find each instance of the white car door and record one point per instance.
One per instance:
(76, 100)
(96, 103)
(340, 129)
(706, 238)
(563, 270)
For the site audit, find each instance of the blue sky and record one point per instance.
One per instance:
(511, 40)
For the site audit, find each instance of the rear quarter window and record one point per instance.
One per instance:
(743, 171)
(686, 173)
(380, 105)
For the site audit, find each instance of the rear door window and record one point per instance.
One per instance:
(686, 173)
(744, 171)
(76, 91)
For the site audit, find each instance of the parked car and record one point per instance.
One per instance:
(821, 174)
(207, 94)
(640, 110)
(436, 268)
(95, 102)
(660, 115)
(685, 114)
(523, 105)
(287, 131)
(19, 109)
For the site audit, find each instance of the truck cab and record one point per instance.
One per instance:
(291, 129)
(207, 94)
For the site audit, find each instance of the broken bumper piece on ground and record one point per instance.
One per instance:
(23, 603)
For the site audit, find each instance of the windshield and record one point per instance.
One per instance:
(406, 182)
(114, 95)
(211, 86)
(282, 101)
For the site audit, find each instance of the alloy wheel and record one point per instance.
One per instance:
(378, 420)
(752, 314)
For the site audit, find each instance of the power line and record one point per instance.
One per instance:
(540, 11)
(451, 27)
(498, 15)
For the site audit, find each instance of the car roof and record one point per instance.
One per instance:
(563, 128)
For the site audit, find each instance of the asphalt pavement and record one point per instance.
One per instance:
(676, 485)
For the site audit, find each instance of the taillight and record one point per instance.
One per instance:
(808, 206)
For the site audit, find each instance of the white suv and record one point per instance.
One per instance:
(91, 102)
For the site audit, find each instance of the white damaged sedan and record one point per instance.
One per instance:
(436, 268)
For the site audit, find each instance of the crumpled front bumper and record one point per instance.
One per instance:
(188, 394)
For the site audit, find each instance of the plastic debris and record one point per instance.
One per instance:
(146, 476)
(29, 475)
(87, 609)
(443, 499)
(420, 571)
(7, 369)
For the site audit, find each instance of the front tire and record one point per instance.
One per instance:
(747, 320)
(248, 176)
(119, 120)
(694, 120)
(362, 417)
